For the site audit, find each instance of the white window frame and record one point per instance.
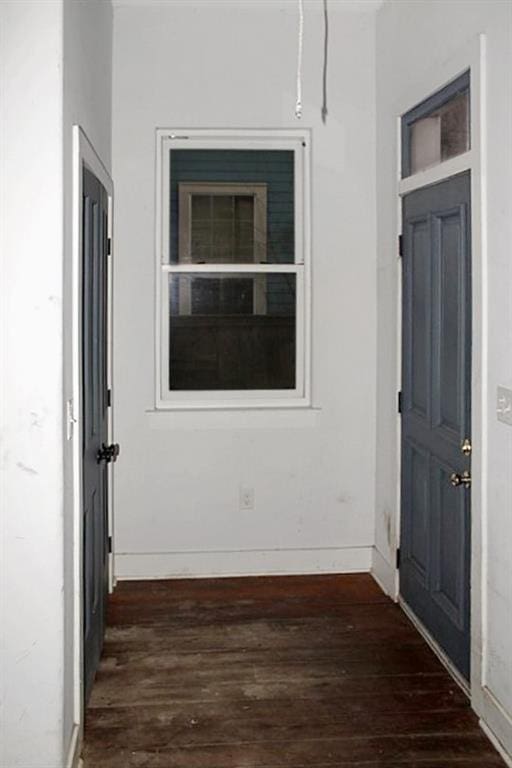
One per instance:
(297, 141)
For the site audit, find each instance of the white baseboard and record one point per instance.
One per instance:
(73, 758)
(384, 574)
(497, 723)
(507, 759)
(253, 562)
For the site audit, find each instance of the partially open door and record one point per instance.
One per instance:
(95, 403)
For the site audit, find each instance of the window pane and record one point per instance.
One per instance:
(244, 208)
(201, 208)
(232, 331)
(251, 192)
(440, 134)
(223, 207)
(223, 242)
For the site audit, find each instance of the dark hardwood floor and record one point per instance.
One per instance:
(291, 672)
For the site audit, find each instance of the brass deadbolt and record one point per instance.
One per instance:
(466, 447)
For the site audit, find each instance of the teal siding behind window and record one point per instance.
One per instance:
(272, 167)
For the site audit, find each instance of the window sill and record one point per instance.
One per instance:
(268, 417)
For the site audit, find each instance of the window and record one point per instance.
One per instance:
(438, 128)
(232, 270)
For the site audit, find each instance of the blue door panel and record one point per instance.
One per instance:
(436, 413)
(94, 419)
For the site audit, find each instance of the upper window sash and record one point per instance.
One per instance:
(197, 140)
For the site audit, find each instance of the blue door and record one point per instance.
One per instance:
(436, 413)
(95, 422)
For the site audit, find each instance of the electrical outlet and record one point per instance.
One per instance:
(246, 498)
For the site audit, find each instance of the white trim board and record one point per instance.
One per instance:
(429, 176)
(384, 573)
(497, 722)
(259, 562)
(83, 154)
(72, 760)
(495, 742)
(296, 141)
(368, 7)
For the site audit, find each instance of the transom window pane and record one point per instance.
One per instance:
(232, 331)
(438, 129)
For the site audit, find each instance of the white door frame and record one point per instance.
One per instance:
(84, 154)
(472, 57)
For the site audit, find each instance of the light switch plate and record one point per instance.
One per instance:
(504, 405)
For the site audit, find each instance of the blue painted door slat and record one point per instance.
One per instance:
(95, 424)
(436, 413)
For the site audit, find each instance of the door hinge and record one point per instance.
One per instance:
(400, 245)
(109, 398)
(109, 246)
(398, 558)
(400, 402)
(110, 545)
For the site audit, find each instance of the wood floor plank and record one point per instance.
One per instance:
(293, 708)
(273, 673)
(400, 750)
(169, 730)
(115, 691)
(108, 693)
(270, 588)
(271, 663)
(361, 627)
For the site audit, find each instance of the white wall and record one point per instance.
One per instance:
(413, 36)
(31, 619)
(218, 64)
(55, 70)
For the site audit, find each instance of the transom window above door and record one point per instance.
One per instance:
(232, 312)
(438, 128)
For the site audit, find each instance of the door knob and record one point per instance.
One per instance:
(108, 453)
(457, 479)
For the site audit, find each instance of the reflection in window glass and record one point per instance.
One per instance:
(438, 129)
(215, 296)
(441, 135)
(232, 206)
(232, 331)
(222, 229)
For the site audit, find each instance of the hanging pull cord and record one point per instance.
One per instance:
(298, 103)
(324, 73)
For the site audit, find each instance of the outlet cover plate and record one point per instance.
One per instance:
(246, 498)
